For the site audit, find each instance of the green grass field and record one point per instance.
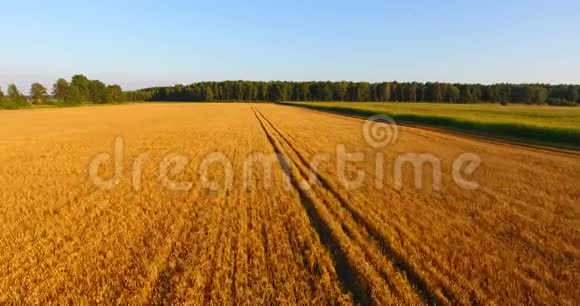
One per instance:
(12, 106)
(556, 126)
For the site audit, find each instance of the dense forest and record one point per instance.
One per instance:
(362, 91)
(82, 90)
(79, 90)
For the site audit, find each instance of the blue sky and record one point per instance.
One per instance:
(148, 43)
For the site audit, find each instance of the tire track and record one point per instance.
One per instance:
(347, 275)
(473, 295)
(398, 260)
(162, 279)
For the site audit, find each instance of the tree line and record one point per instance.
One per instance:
(78, 90)
(362, 91)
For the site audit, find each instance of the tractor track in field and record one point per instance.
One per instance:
(387, 250)
(162, 280)
(347, 274)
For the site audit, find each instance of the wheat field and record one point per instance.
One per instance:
(223, 230)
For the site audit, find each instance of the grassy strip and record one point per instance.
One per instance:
(558, 137)
(13, 105)
(5, 104)
(10, 105)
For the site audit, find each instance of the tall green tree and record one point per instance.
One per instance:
(275, 92)
(412, 93)
(326, 91)
(466, 95)
(115, 93)
(304, 91)
(60, 89)
(538, 94)
(341, 89)
(263, 91)
(83, 85)
(452, 93)
(15, 96)
(98, 92)
(434, 92)
(38, 93)
(73, 95)
(573, 93)
(208, 94)
(362, 91)
(384, 92)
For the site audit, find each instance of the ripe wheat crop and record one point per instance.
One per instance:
(224, 230)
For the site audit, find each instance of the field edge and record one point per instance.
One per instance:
(518, 134)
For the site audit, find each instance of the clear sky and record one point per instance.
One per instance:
(147, 43)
